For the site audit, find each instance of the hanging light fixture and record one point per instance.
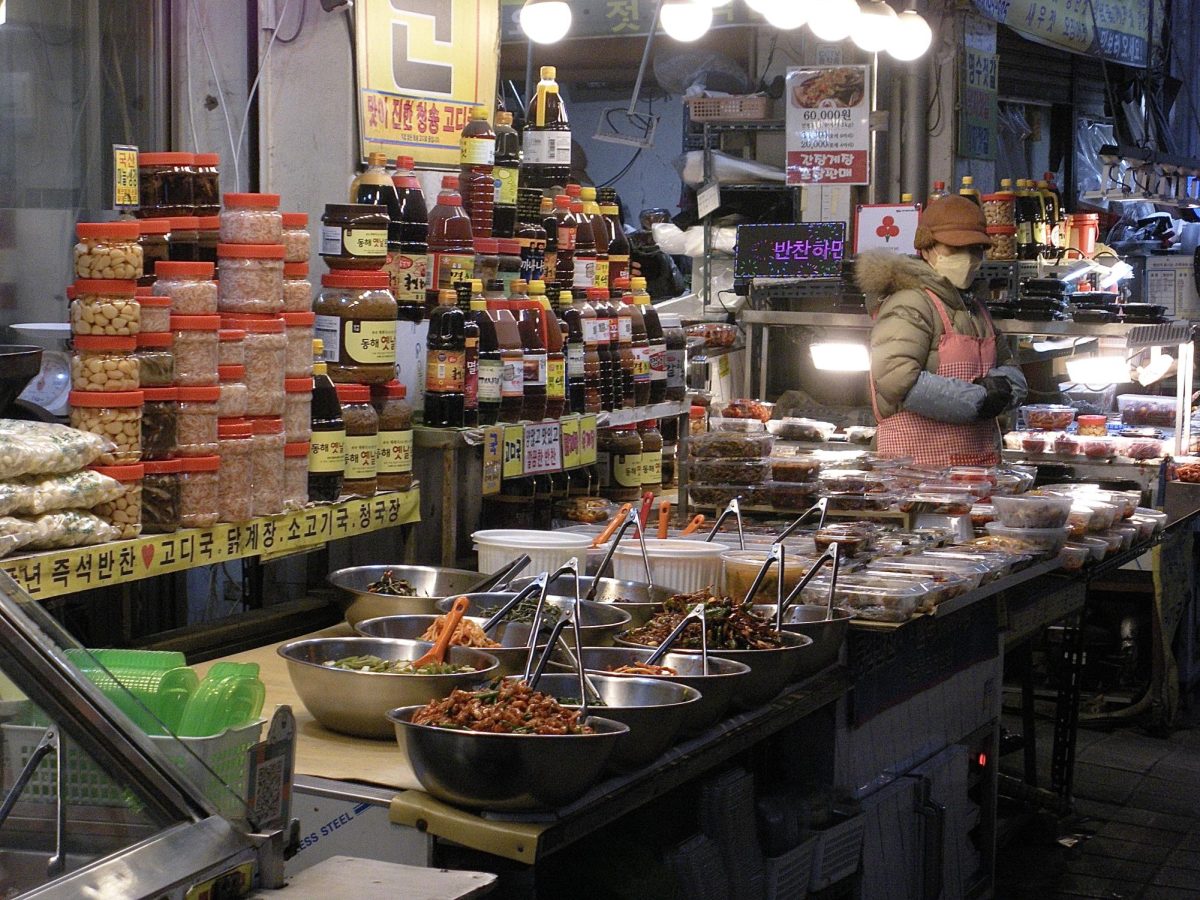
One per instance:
(840, 356)
(685, 20)
(787, 14)
(760, 6)
(875, 26)
(545, 21)
(715, 4)
(911, 36)
(833, 20)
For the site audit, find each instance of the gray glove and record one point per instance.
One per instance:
(950, 400)
(1016, 380)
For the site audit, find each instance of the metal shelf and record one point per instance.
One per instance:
(774, 186)
(709, 355)
(734, 127)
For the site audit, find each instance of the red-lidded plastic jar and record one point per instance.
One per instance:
(160, 420)
(297, 289)
(295, 475)
(362, 440)
(199, 491)
(197, 429)
(155, 314)
(108, 250)
(105, 364)
(298, 327)
(236, 474)
(265, 352)
(251, 219)
(297, 409)
(296, 239)
(195, 349)
(102, 307)
(232, 404)
(267, 456)
(124, 512)
(166, 184)
(250, 278)
(190, 286)
(160, 496)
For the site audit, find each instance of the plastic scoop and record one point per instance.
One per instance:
(438, 653)
(612, 526)
(693, 526)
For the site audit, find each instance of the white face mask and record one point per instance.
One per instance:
(960, 269)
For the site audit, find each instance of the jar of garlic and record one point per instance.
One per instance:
(297, 289)
(250, 278)
(199, 491)
(196, 432)
(116, 416)
(267, 455)
(266, 351)
(190, 286)
(295, 475)
(235, 476)
(160, 496)
(105, 307)
(296, 239)
(251, 219)
(104, 364)
(195, 349)
(108, 250)
(124, 512)
(156, 359)
(232, 404)
(297, 409)
(298, 327)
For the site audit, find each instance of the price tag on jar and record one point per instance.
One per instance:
(570, 442)
(587, 441)
(513, 452)
(543, 448)
(493, 462)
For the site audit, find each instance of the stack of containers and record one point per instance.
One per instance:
(106, 322)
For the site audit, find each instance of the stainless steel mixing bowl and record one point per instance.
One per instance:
(828, 634)
(640, 600)
(431, 585)
(598, 622)
(512, 653)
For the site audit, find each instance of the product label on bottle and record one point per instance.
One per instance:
(362, 242)
(652, 467)
(446, 269)
(556, 379)
(491, 380)
(506, 185)
(585, 272)
(601, 279)
(618, 267)
(614, 331)
(445, 371)
(658, 362)
(575, 360)
(624, 329)
(475, 151)
(641, 364)
(512, 377)
(675, 373)
(368, 342)
(362, 452)
(395, 452)
(535, 369)
(533, 259)
(604, 468)
(327, 451)
(595, 332)
(471, 376)
(406, 275)
(627, 470)
(546, 148)
(566, 237)
(329, 330)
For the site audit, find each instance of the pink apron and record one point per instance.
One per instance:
(932, 443)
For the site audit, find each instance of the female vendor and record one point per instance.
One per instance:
(939, 374)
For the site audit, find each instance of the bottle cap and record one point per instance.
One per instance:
(573, 190)
(376, 159)
(447, 298)
(504, 118)
(477, 286)
(404, 162)
(449, 182)
(537, 286)
(562, 201)
(154, 226)
(548, 73)
(208, 159)
(478, 112)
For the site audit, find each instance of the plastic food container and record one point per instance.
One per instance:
(547, 549)
(1092, 426)
(856, 481)
(1048, 540)
(1065, 445)
(298, 328)
(795, 468)
(297, 241)
(196, 352)
(1141, 448)
(939, 503)
(267, 461)
(297, 289)
(1159, 518)
(812, 431)
(1097, 547)
(731, 471)
(1074, 557)
(876, 600)
(196, 431)
(236, 473)
(124, 512)
(1033, 510)
(714, 496)
(1009, 483)
(742, 566)
(166, 184)
(1114, 541)
(108, 250)
(919, 564)
(1142, 410)
(748, 409)
(160, 496)
(790, 495)
(842, 501)
(190, 286)
(231, 347)
(155, 314)
(682, 566)
(295, 476)
(250, 278)
(156, 359)
(297, 409)
(1048, 416)
(981, 514)
(851, 538)
(725, 444)
(160, 413)
(1079, 520)
(1034, 443)
(116, 416)
(105, 308)
(748, 426)
(199, 491)
(266, 352)
(251, 219)
(1098, 447)
(103, 363)
(232, 404)
(1146, 527)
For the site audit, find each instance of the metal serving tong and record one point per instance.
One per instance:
(820, 506)
(631, 519)
(733, 509)
(832, 555)
(501, 576)
(697, 613)
(774, 557)
(538, 585)
(534, 674)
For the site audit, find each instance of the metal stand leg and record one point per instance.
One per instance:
(1028, 715)
(1066, 714)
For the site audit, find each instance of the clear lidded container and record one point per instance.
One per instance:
(155, 314)
(206, 184)
(232, 404)
(208, 235)
(160, 417)
(267, 460)
(116, 416)
(102, 363)
(235, 476)
(297, 289)
(298, 328)
(183, 243)
(297, 410)
(154, 239)
(295, 476)
(362, 440)
(108, 250)
(297, 241)
(106, 307)
(166, 184)
(251, 219)
(160, 496)
(199, 491)
(123, 512)
(190, 286)
(231, 347)
(265, 351)
(156, 359)
(196, 431)
(195, 349)
(250, 278)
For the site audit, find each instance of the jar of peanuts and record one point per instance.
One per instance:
(154, 241)
(108, 250)
(160, 414)
(267, 456)
(190, 286)
(235, 477)
(160, 496)
(196, 433)
(1004, 242)
(298, 327)
(295, 475)
(232, 404)
(251, 219)
(266, 351)
(104, 364)
(250, 278)
(296, 239)
(116, 416)
(105, 307)
(156, 359)
(231, 350)
(297, 289)
(297, 409)
(155, 313)
(199, 491)
(195, 349)
(125, 512)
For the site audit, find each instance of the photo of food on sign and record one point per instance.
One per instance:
(840, 87)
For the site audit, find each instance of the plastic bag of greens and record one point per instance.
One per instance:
(42, 448)
(70, 528)
(75, 490)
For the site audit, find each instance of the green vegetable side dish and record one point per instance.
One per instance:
(394, 667)
(525, 611)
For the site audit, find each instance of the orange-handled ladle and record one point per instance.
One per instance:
(613, 525)
(438, 653)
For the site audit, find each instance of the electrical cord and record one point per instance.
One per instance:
(258, 77)
(237, 180)
(299, 25)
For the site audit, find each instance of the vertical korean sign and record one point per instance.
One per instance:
(422, 66)
(828, 125)
(977, 97)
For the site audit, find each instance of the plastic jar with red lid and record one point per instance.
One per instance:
(297, 289)
(296, 240)
(190, 286)
(297, 409)
(195, 349)
(124, 512)
(267, 460)
(196, 433)
(298, 327)
(250, 278)
(105, 307)
(116, 416)
(199, 491)
(356, 318)
(156, 359)
(235, 476)
(154, 239)
(265, 352)
(206, 184)
(166, 184)
(251, 219)
(155, 314)
(160, 496)
(232, 404)
(295, 475)
(106, 364)
(108, 250)
(160, 419)
(183, 243)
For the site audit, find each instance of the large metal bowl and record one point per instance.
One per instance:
(828, 635)
(654, 710)
(598, 622)
(512, 653)
(478, 770)
(358, 702)
(431, 585)
(717, 688)
(770, 670)
(640, 600)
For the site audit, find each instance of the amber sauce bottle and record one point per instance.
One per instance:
(529, 323)
(567, 225)
(451, 244)
(623, 318)
(556, 359)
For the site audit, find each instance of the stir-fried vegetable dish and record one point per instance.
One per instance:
(395, 667)
(504, 707)
(525, 611)
(391, 585)
(731, 625)
(642, 669)
(466, 634)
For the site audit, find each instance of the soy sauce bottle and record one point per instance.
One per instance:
(546, 143)
(445, 364)
(491, 361)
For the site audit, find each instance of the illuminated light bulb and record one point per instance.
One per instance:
(545, 21)
(911, 37)
(760, 6)
(840, 356)
(833, 20)
(715, 3)
(875, 27)
(685, 20)
(787, 14)
(1098, 370)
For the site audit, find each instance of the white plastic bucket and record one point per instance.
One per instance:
(678, 565)
(547, 549)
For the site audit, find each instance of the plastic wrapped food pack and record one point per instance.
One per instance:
(69, 528)
(38, 448)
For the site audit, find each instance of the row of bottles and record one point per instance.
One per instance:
(1034, 208)
(522, 357)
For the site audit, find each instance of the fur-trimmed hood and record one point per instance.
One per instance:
(881, 273)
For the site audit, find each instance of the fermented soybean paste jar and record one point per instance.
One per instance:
(356, 318)
(395, 456)
(362, 440)
(354, 236)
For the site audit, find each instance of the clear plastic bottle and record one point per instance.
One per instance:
(655, 338)
(490, 364)
(611, 392)
(512, 359)
(969, 190)
(451, 254)
(586, 258)
(591, 212)
(546, 143)
(939, 190)
(477, 156)
(533, 343)
(640, 343)
(618, 243)
(506, 172)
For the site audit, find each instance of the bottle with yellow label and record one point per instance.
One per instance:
(446, 364)
(327, 447)
(356, 320)
(362, 440)
(625, 461)
(591, 209)
(652, 455)
(395, 456)
(556, 359)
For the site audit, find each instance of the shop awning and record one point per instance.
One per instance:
(1118, 30)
